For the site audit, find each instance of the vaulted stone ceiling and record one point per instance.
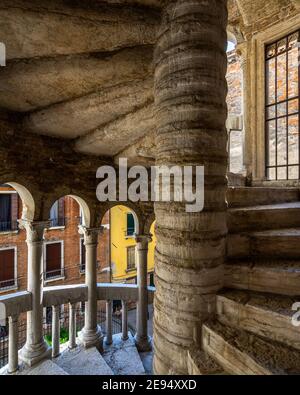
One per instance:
(82, 71)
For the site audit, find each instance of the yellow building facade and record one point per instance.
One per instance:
(122, 247)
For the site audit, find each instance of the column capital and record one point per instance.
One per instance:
(34, 229)
(90, 234)
(143, 240)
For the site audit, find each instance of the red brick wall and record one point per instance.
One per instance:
(235, 84)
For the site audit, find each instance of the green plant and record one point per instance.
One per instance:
(63, 337)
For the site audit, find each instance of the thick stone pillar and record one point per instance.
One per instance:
(35, 348)
(190, 97)
(91, 335)
(143, 341)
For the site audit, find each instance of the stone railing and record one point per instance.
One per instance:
(11, 306)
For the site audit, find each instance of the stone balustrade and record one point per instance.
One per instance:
(11, 306)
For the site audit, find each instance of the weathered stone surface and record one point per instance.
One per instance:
(30, 85)
(199, 363)
(267, 315)
(190, 113)
(240, 352)
(268, 275)
(272, 216)
(123, 357)
(45, 368)
(115, 136)
(281, 243)
(80, 361)
(255, 196)
(51, 29)
(80, 116)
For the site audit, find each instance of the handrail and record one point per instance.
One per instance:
(20, 302)
(112, 291)
(53, 296)
(15, 304)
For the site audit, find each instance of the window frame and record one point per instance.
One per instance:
(62, 266)
(276, 118)
(10, 231)
(254, 68)
(15, 286)
(130, 269)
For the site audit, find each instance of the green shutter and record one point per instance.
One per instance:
(130, 224)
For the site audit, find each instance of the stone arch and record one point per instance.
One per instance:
(85, 209)
(138, 218)
(149, 222)
(28, 210)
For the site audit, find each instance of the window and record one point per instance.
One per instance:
(130, 258)
(54, 260)
(8, 268)
(8, 212)
(82, 256)
(282, 108)
(57, 213)
(130, 225)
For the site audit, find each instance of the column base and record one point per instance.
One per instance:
(33, 354)
(143, 344)
(91, 338)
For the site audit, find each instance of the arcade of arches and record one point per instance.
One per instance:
(145, 80)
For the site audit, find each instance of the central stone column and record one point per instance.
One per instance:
(91, 335)
(190, 97)
(143, 341)
(35, 348)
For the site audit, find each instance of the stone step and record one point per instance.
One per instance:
(123, 357)
(81, 362)
(269, 217)
(268, 275)
(256, 196)
(201, 364)
(279, 243)
(269, 316)
(243, 353)
(44, 368)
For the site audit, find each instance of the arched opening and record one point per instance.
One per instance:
(124, 225)
(16, 202)
(235, 122)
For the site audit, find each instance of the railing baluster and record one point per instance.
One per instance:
(13, 344)
(72, 326)
(55, 331)
(124, 321)
(109, 338)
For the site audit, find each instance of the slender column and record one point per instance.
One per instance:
(91, 335)
(109, 311)
(35, 348)
(190, 97)
(72, 326)
(143, 341)
(124, 321)
(55, 331)
(13, 344)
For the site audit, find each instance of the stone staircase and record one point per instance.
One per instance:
(120, 358)
(253, 332)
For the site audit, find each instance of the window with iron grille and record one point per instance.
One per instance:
(130, 258)
(8, 212)
(282, 109)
